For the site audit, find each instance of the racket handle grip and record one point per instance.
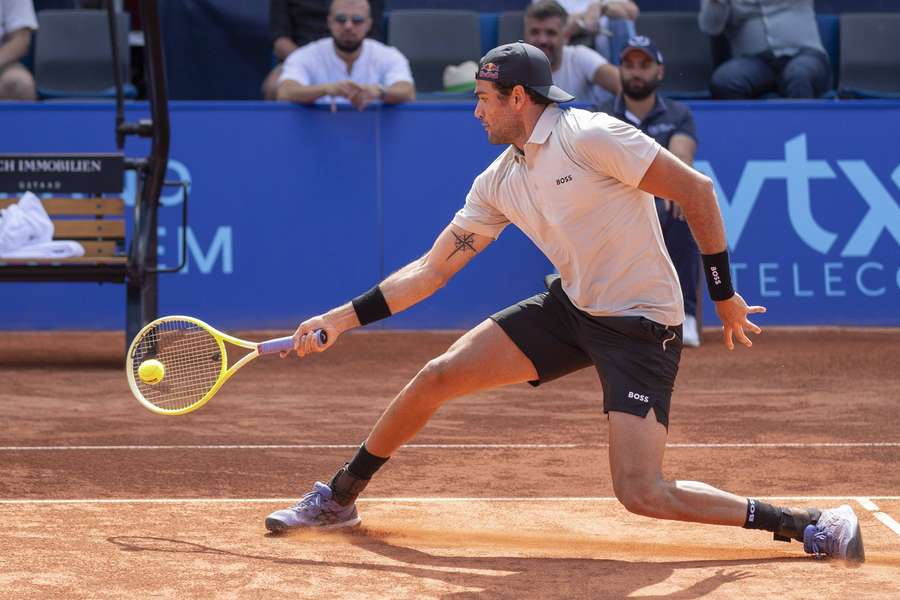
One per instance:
(286, 344)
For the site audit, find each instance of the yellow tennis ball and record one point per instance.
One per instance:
(151, 371)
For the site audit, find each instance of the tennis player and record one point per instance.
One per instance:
(581, 186)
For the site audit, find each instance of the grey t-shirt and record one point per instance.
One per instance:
(783, 27)
(574, 193)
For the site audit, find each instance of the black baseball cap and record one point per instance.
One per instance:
(643, 43)
(521, 64)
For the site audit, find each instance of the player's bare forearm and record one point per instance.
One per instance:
(408, 286)
(452, 250)
(669, 178)
(342, 318)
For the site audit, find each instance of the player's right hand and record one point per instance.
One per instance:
(307, 342)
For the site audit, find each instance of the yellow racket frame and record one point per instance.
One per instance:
(225, 372)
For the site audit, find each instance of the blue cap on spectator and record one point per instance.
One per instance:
(643, 43)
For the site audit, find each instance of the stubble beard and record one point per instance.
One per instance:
(644, 91)
(505, 133)
(348, 47)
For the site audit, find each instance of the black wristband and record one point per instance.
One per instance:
(718, 276)
(371, 306)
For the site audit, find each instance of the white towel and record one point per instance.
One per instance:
(26, 231)
(57, 249)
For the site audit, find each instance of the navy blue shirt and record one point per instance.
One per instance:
(667, 118)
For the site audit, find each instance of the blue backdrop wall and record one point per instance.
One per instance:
(294, 210)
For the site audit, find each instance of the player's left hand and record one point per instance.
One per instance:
(733, 314)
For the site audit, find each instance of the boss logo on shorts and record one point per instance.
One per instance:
(563, 180)
(639, 397)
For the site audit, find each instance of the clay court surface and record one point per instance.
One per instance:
(505, 494)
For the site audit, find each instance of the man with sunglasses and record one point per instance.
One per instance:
(295, 23)
(347, 67)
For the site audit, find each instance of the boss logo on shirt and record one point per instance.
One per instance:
(563, 180)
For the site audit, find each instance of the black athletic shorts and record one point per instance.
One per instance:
(636, 358)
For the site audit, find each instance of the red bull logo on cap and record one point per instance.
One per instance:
(489, 71)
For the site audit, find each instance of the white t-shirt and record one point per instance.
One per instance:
(14, 15)
(574, 193)
(318, 62)
(576, 74)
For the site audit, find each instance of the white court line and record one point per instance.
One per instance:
(886, 519)
(889, 522)
(414, 500)
(867, 504)
(445, 446)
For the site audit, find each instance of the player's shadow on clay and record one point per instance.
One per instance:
(496, 576)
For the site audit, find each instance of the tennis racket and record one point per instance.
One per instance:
(194, 362)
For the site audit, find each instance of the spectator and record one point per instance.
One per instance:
(295, 23)
(17, 21)
(577, 69)
(775, 47)
(671, 124)
(595, 23)
(346, 66)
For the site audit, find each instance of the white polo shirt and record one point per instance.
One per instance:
(576, 74)
(574, 193)
(15, 15)
(318, 62)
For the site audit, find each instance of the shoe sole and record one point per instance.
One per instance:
(276, 526)
(855, 551)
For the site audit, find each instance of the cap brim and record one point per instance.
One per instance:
(646, 53)
(552, 92)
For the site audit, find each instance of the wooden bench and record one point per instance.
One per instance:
(98, 224)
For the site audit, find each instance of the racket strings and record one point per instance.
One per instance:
(191, 357)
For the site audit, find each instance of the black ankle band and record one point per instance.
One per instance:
(794, 521)
(365, 464)
(345, 486)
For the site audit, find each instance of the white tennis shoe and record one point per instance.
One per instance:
(835, 534)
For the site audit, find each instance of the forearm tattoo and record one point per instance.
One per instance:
(463, 243)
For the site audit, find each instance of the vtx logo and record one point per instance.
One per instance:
(797, 170)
